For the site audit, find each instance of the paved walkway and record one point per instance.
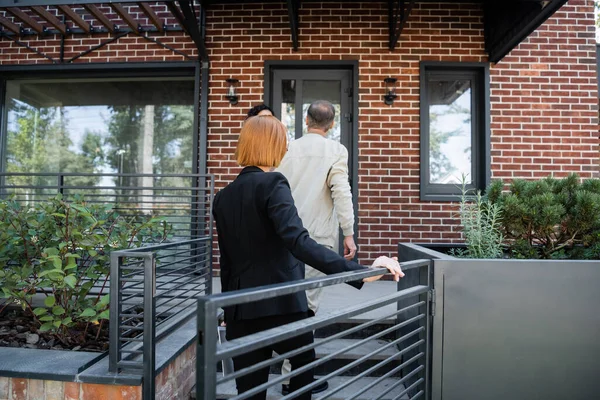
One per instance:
(337, 297)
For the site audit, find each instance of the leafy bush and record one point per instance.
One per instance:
(550, 218)
(481, 223)
(62, 249)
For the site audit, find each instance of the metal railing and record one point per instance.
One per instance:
(408, 366)
(180, 199)
(153, 290)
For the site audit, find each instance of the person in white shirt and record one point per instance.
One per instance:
(317, 170)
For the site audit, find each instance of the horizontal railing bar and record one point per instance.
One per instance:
(261, 339)
(179, 284)
(416, 396)
(131, 315)
(146, 251)
(388, 374)
(184, 299)
(302, 349)
(276, 290)
(164, 329)
(374, 368)
(131, 364)
(133, 351)
(325, 378)
(165, 272)
(167, 288)
(315, 363)
(91, 174)
(131, 340)
(186, 204)
(131, 328)
(404, 378)
(186, 260)
(408, 389)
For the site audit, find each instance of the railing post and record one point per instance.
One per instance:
(426, 279)
(209, 288)
(114, 348)
(206, 364)
(61, 183)
(149, 327)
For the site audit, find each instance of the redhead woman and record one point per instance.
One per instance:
(262, 242)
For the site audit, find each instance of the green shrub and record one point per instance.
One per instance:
(63, 249)
(550, 218)
(481, 223)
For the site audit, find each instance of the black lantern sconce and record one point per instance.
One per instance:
(232, 91)
(390, 91)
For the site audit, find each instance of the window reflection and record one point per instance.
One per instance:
(132, 126)
(450, 131)
(288, 107)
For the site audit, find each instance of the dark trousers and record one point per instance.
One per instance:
(236, 329)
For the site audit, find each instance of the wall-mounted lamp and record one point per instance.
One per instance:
(232, 92)
(390, 91)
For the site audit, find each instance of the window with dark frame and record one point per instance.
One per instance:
(100, 125)
(454, 129)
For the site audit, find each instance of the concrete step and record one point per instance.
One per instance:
(228, 390)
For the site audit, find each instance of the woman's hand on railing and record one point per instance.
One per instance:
(386, 262)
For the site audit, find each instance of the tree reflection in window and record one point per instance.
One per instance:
(450, 131)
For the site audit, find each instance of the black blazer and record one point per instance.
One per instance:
(262, 241)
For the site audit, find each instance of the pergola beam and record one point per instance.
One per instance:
(174, 10)
(190, 22)
(132, 23)
(76, 18)
(51, 19)
(31, 3)
(149, 12)
(92, 9)
(293, 6)
(10, 26)
(26, 19)
(398, 13)
(508, 24)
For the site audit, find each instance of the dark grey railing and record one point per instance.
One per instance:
(410, 373)
(153, 290)
(180, 199)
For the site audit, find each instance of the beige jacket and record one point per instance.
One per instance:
(317, 170)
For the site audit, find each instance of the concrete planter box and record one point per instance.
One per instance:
(61, 374)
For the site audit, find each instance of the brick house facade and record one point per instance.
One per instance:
(543, 96)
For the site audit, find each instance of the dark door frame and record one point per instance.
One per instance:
(352, 65)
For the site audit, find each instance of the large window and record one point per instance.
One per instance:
(99, 126)
(454, 129)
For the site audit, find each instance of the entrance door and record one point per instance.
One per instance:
(293, 90)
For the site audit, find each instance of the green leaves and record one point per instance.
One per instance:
(50, 301)
(58, 310)
(40, 311)
(71, 281)
(550, 218)
(63, 248)
(88, 312)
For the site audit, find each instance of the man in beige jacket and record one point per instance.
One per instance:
(317, 170)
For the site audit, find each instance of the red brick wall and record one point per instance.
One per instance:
(174, 382)
(544, 103)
